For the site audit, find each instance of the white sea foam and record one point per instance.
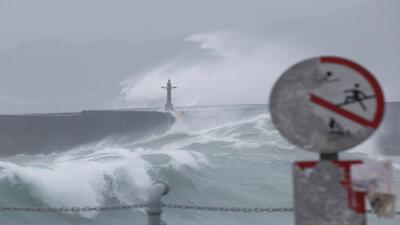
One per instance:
(75, 180)
(233, 161)
(89, 175)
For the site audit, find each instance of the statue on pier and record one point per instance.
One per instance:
(169, 87)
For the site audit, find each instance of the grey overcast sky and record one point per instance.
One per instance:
(69, 55)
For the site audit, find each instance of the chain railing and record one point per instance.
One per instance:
(233, 209)
(144, 205)
(227, 208)
(73, 209)
(154, 207)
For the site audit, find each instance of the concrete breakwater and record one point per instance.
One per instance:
(46, 133)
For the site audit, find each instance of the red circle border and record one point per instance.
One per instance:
(369, 77)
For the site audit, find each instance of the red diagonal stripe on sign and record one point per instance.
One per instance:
(380, 103)
(343, 112)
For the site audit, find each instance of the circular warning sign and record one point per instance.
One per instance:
(327, 104)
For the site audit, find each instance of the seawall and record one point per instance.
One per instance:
(46, 133)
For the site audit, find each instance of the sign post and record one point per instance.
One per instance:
(327, 105)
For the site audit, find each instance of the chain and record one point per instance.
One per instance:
(73, 209)
(227, 209)
(169, 205)
(237, 209)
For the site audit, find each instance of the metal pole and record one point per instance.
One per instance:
(154, 210)
(329, 156)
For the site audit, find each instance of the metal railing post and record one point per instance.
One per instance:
(154, 210)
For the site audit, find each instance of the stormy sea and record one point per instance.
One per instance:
(213, 156)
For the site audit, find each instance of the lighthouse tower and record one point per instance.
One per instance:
(168, 105)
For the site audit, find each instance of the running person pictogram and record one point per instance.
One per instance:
(356, 95)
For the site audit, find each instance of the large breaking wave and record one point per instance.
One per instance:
(212, 156)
